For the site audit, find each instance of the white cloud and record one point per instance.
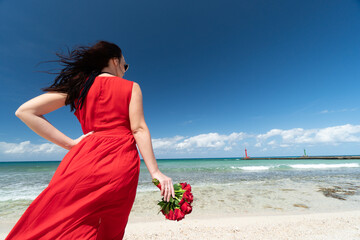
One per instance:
(337, 111)
(284, 145)
(330, 135)
(166, 142)
(188, 122)
(207, 140)
(209, 143)
(27, 147)
(227, 148)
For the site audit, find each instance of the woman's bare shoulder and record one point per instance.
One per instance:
(129, 81)
(136, 88)
(136, 84)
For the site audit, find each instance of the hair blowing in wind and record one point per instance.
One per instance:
(81, 65)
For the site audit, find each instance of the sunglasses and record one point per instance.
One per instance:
(126, 66)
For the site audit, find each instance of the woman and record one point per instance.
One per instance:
(93, 189)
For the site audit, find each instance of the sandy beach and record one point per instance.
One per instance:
(249, 211)
(312, 226)
(244, 212)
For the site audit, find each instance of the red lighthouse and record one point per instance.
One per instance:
(246, 156)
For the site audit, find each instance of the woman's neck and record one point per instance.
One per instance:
(106, 74)
(112, 71)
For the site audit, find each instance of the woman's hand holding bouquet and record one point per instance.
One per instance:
(168, 189)
(176, 207)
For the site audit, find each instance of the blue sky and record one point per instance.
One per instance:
(216, 76)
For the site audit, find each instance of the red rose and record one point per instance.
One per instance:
(185, 186)
(178, 214)
(176, 210)
(170, 215)
(188, 196)
(186, 208)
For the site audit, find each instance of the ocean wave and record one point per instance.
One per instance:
(14, 197)
(253, 168)
(324, 166)
(296, 166)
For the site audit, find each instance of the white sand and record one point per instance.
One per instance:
(312, 226)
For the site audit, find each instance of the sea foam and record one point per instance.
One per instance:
(296, 166)
(253, 168)
(323, 166)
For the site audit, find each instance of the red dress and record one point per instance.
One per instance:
(94, 187)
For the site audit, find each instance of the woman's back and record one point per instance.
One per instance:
(106, 106)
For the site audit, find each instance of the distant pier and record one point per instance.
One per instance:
(302, 158)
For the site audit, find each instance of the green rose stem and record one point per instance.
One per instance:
(156, 183)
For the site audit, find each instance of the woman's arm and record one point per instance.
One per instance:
(142, 137)
(140, 130)
(32, 111)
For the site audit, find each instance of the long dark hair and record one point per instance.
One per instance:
(81, 66)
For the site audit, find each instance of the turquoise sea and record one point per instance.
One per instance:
(22, 182)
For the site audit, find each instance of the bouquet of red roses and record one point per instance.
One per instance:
(177, 207)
